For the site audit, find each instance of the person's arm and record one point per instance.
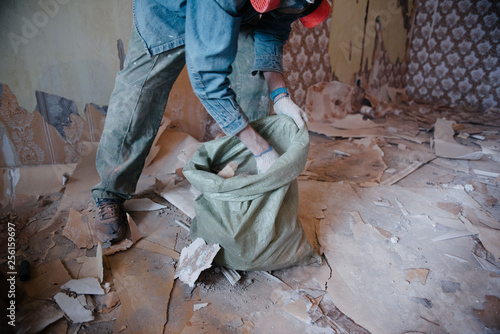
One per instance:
(282, 103)
(274, 80)
(210, 51)
(271, 35)
(253, 140)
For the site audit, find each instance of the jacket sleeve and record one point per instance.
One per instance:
(271, 34)
(212, 29)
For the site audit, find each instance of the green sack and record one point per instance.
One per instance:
(252, 217)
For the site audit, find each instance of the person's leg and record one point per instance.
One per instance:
(134, 115)
(252, 92)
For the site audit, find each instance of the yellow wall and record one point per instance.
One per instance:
(350, 41)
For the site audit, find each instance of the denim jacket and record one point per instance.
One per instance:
(209, 30)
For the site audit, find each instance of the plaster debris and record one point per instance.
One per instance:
(232, 275)
(119, 247)
(194, 259)
(155, 147)
(247, 327)
(298, 309)
(382, 202)
(401, 207)
(486, 173)
(197, 307)
(331, 100)
(228, 171)
(80, 230)
(173, 149)
(74, 308)
(326, 315)
(456, 258)
(453, 235)
(385, 203)
(92, 266)
(183, 225)
(445, 145)
(487, 265)
(88, 286)
(341, 153)
(402, 174)
(155, 247)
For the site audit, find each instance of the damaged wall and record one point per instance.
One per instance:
(442, 52)
(79, 47)
(355, 36)
(59, 61)
(62, 47)
(28, 139)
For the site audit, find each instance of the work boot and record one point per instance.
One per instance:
(110, 220)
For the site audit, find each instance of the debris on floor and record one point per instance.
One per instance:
(76, 309)
(194, 259)
(400, 198)
(446, 146)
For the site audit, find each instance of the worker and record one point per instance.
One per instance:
(203, 35)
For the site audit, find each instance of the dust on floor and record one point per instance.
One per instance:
(410, 239)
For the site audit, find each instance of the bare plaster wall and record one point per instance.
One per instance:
(62, 47)
(59, 59)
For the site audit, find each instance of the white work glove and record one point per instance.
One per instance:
(265, 160)
(285, 106)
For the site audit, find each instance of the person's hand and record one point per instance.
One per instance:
(285, 106)
(265, 160)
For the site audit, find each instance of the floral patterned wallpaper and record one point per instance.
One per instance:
(306, 59)
(455, 51)
(31, 140)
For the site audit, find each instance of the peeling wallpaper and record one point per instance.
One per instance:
(60, 58)
(354, 34)
(59, 62)
(33, 141)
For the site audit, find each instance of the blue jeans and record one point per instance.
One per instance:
(139, 100)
